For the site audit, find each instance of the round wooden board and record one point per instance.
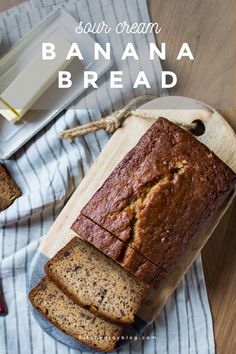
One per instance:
(218, 136)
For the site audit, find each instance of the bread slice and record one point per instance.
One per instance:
(72, 319)
(119, 251)
(96, 282)
(9, 191)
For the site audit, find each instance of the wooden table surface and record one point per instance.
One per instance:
(209, 27)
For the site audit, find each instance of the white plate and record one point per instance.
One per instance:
(54, 100)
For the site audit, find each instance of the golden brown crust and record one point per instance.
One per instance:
(162, 193)
(88, 343)
(97, 236)
(9, 191)
(131, 260)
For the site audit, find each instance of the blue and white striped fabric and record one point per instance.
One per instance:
(48, 170)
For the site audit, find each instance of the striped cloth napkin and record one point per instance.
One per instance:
(48, 170)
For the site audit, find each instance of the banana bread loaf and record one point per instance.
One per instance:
(119, 251)
(96, 282)
(162, 193)
(72, 319)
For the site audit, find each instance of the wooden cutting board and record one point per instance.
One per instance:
(218, 255)
(218, 136)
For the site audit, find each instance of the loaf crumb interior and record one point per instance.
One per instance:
(96, 281)
(73, 319)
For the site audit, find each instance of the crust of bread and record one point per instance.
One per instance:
(162, 193)
(127, 257)
(9, 190)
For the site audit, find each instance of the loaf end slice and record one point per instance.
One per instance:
(9, 191)
(96, 282)
(72, 319)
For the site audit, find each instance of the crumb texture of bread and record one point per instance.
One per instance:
(162, 193)
(9, 191)
(96, 282)
(119, 251)
(72, 319)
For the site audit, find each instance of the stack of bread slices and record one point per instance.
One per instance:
(87, 295)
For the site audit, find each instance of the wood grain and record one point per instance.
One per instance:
(209, 26)
(7, 4)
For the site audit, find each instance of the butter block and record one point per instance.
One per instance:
(8, 112)
(33, 81)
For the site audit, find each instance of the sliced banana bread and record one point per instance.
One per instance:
(116, 249)
(162, 194)
(9, 191)
(96, 282)
(72, 319)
